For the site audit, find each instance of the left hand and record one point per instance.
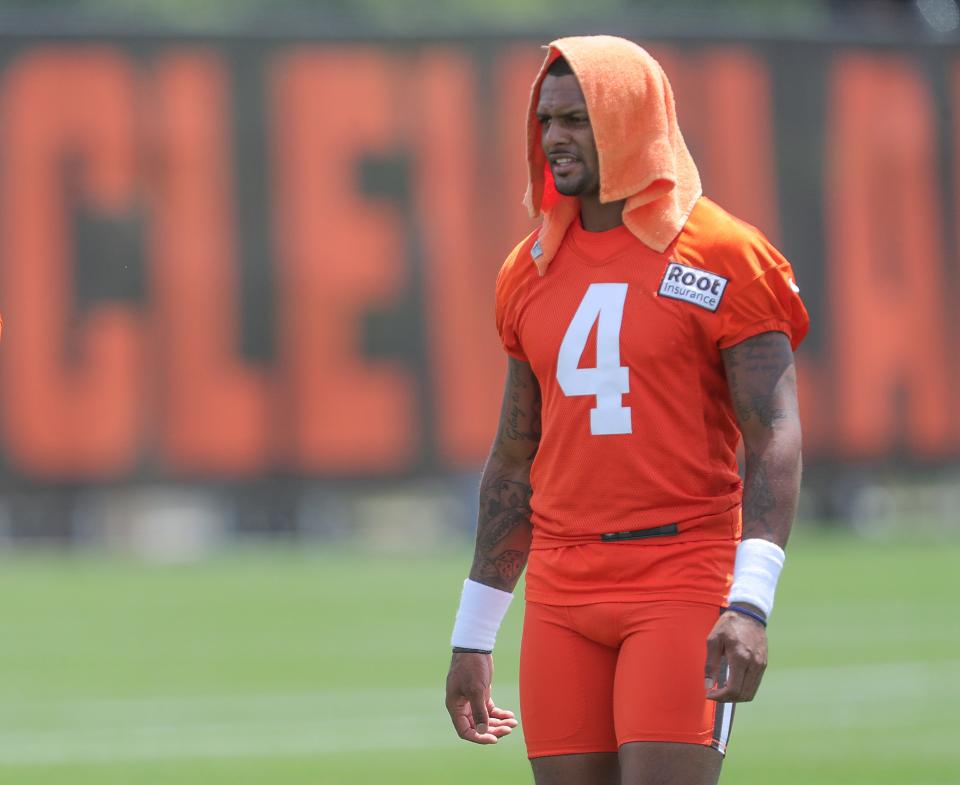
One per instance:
(742, 643)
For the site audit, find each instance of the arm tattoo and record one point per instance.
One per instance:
(762, 381)
(754, 370)
(759, 501)
(520, 416)
(504, 530)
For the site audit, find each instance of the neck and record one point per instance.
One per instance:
(598, 217)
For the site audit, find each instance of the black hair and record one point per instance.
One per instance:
(560, 67)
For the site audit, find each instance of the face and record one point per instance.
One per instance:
(567, 137)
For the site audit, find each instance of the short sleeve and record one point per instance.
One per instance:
(506, 315)
(768, 302)
(509, 283)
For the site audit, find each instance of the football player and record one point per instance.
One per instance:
(648, 331)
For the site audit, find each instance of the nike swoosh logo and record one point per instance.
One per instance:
(793, 286)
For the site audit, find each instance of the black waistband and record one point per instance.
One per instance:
(641, 534)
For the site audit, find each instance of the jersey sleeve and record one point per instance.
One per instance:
(507, 307)
(769, 300)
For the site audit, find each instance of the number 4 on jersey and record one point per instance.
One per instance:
(608, 381)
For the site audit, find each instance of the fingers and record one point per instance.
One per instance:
(468, 697)
(480, 721)
(501, 722)
(497, 727)
(463, 724)
(500, 714)
(742, 643)
(501, 728)
(751, 679)
(713, 670)
(743, 681)
(502, 717)
(730, 690)
(478, 702)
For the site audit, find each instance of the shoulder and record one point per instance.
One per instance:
(517, 268)
(760, 292)
(715, 240)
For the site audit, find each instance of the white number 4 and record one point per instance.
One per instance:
(609, 381)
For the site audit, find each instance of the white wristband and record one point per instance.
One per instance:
(482, 608)
(755, 573)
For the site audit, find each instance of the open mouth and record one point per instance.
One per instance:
(563, 164)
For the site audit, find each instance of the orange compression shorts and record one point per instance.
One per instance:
(596, 676)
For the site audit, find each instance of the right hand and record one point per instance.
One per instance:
(740, 642)
(474, 715)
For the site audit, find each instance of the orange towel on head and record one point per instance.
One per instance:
(642, 155)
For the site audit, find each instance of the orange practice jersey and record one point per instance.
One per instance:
(638, 426)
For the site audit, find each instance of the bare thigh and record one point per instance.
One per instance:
(668, 763)
(590, 768)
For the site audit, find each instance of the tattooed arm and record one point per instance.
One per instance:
(763, 387)
(503, 543)
(503, 527)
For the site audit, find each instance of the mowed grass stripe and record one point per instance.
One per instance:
(271, 737)
(298, 668)
(797, 686)
(891, 697)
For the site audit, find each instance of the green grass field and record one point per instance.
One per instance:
(306, 668)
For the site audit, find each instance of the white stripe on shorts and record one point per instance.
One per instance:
(725, 728)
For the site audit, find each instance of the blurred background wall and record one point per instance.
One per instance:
(247, 251)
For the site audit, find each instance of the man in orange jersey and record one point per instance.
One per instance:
(647, 332)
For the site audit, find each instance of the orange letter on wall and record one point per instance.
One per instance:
(340, 255)
(463, 247)
(215, 408)
(513, 74)
(738, 165)
(66, 416)
(955, 96)
(885, 261)
(725, 114)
